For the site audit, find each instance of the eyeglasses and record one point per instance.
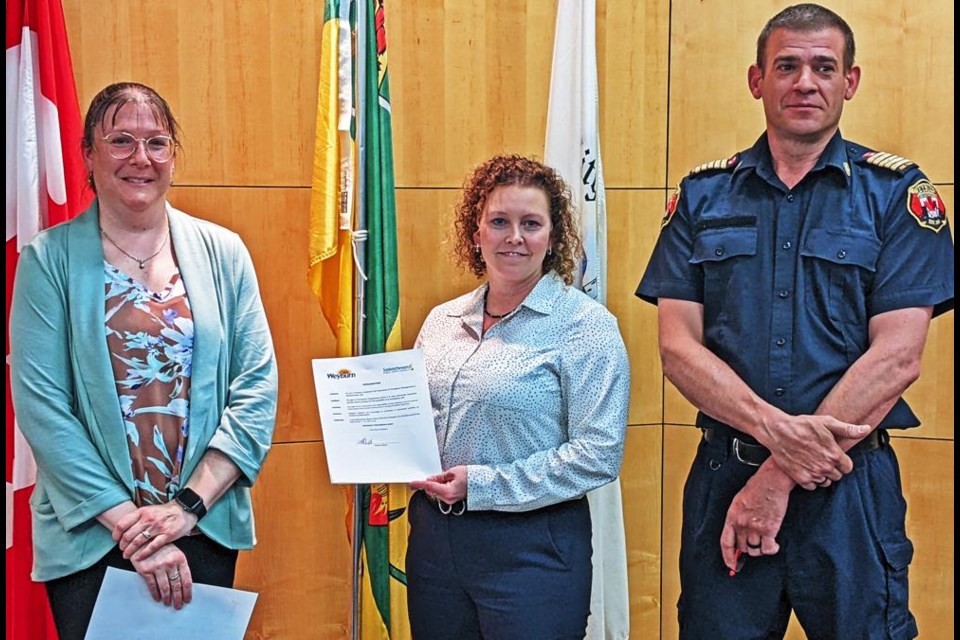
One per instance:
(121, 145)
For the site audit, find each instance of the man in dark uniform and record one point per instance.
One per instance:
(796, 282)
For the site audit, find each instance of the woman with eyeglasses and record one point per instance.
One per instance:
(530, 384)
(143, 376)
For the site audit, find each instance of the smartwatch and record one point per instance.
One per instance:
(191, 502)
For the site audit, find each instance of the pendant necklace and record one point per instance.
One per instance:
(141, 262)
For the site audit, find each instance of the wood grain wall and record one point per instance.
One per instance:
(470, 78)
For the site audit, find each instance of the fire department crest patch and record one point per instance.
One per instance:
(926, 206)
(671, 208)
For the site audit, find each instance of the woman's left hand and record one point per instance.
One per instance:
(147, 529)
(449, 486)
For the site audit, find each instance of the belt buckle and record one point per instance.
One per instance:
(736, 452)
(457, 508)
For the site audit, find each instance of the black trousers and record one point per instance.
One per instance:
(72, 597)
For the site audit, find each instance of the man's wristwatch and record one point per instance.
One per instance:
(191, 502)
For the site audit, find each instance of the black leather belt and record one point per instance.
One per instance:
(755, 454)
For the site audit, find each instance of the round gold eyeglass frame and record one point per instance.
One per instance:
(121, 145)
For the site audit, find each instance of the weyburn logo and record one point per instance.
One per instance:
(340, 375)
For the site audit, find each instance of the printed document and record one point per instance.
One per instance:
(376, 417)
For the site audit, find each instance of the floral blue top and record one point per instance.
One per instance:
(150, 339)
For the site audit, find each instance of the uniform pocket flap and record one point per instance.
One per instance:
(842, 248)
(898, 554)
(712, 245)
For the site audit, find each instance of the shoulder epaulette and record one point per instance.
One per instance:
(888, 161)
(724, 164)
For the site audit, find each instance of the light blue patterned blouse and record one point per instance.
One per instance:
(537, 407)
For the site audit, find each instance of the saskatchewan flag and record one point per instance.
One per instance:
(333, 218)
(385, 519)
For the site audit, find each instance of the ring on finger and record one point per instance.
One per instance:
(174, 577)
(750, 545)
(146, 534)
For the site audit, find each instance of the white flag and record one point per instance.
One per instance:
(573, 136)
(573, 149)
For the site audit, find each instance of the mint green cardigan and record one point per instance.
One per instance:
(65, 396)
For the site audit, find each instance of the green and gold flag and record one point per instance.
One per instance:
(334, 218)
(385, 523)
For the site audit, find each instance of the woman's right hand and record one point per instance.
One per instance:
(449, 486)
(167, 575)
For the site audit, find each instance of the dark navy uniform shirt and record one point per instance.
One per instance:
(789, 278)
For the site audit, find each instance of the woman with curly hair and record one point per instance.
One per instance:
(530, 384)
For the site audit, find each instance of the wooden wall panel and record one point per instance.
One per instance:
(676, 409)
(428, 274)
(482, 79)
(633, 222)
(640, 482)
(273, 224)
(302, 563)
(926, 469)
(903, 50)
(632, 60)
(240, 76)
(475, 84)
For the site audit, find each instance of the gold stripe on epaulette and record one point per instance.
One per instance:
(714, 165)
(890, 161)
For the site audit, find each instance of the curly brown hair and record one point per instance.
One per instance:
(518, 170)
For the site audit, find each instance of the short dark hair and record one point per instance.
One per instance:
(808, 17)
(122, 93)
(517, 170)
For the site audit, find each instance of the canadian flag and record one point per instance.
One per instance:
(45, 185)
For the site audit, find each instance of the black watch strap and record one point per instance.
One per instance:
(191, 502)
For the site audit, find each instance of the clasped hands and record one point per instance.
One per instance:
(806, 451)
(448, 487)
(146, 536)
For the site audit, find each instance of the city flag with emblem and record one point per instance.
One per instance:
(573, 149)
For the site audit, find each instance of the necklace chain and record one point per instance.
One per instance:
(141, 262)
(495, 316)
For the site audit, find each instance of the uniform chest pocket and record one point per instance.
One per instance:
(842, 264)
(724, 255)
(718, 245)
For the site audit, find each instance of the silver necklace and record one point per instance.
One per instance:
(141, 262)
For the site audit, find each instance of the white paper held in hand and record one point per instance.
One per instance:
(125, 609)
(377, 418)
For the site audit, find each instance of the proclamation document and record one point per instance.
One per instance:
(376, 418)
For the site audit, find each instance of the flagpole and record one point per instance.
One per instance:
(359, 255)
